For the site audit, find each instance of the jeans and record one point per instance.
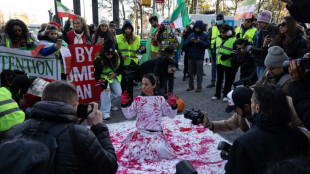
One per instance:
(221, 70)
(110, 97)
(260, 70)
(177, 56)
(195, 67)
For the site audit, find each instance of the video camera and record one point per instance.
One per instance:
(195, 115)
(304, 63)
(225, 149)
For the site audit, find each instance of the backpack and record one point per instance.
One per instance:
(32, 151)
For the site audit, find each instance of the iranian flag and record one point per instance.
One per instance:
(179, 17)
(63, 11)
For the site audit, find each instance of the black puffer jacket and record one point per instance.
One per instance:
(298, 47)
(98, 154)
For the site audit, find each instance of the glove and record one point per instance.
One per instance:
(124, 98)
(103, 83)
(162, 29)
(172, 99)
(225, 57)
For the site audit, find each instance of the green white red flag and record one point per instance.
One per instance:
(63, 11)
(180, 17)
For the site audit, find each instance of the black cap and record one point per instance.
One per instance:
(238, 97)
(109, 46)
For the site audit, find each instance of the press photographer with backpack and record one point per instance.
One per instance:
(50, 142)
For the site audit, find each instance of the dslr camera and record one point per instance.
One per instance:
(225, 149)
(304, 63)
(82, 110)
(195, 115)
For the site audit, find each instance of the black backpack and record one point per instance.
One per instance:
(33, 151)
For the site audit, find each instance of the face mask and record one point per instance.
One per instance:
(192, 26)
(219, 22)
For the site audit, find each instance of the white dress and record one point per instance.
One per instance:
(148, 143)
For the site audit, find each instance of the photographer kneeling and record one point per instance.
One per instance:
(239, 100)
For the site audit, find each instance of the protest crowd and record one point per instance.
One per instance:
(48, 126)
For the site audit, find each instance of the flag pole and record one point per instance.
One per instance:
(154, 1)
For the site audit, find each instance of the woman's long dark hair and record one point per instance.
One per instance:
(112, 63)
(106, 35)
(292, 30)
(13, 22)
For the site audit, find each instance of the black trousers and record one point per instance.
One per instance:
(229, 79)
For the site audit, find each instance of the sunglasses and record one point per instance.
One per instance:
(283, 24)
(17, 30)
(109, 54)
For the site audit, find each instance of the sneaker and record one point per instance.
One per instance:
(114, 108)
(210, 85)
(225, 99)
(106, 116)
(214, 98)
(189, 89)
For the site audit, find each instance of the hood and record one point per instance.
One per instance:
(127, 23)
(54, 111)
(200, 25)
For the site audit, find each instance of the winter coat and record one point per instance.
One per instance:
(300, 93)
(300, 10)
(197, 50)
(98, 155)
(298, 47)
(259, 53)
(258, 148)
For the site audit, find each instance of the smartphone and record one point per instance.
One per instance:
(59, 41)
(82, 110)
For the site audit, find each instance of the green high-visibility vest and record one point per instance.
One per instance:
(10, 114)
(215, 34)
(224, 49)
(249, 32)
(108, 71)
(128, 50)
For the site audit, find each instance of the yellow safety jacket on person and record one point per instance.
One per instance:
(108, 71)
(10, 114)
(215, 34)
(130, 51)
(224, 49)
(250, 32)
(8, 42)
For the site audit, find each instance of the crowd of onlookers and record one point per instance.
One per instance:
(270, 99)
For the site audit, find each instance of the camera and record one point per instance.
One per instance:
(82, 110)
(272, 31)
(304, 63)
(225, 149)
(195, 115)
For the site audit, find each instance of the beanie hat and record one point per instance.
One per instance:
(275, 57)
(220, 16)
(127, 23)
(212, 21)
(55, 23)
(104, 21)
(167, 22)
(264, 16)
(109, 46)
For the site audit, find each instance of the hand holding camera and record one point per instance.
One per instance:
(95, 116)
(195, 115)
(58, 44)
(206, 122)
(171, 99)
(124, 98)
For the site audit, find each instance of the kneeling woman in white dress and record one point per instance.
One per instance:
(148, 142)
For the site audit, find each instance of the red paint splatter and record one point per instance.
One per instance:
(182, 129)
(200, 129)
(206, 141)
(177, 122)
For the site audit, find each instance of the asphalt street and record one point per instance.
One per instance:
(201, 100)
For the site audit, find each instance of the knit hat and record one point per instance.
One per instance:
(127, 23)
(264, 16)
(212, 21)
(109, 46)
(220, 16)
(55, 23)
(275, 57)
(167, 22)
(104, 21)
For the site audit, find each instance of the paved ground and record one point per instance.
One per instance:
(201, 100)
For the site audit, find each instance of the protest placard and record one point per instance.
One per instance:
(245, 9)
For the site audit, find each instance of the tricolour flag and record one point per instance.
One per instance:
(63, 11)
(159, 17)
(179, 17)
(245, 9)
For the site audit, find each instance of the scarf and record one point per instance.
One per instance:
(78, 38)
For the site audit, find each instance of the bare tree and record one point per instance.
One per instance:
(123, 9)
(106, 6)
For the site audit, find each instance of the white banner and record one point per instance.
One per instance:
(39, 66)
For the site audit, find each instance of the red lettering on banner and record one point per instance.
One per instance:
(82, 72)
